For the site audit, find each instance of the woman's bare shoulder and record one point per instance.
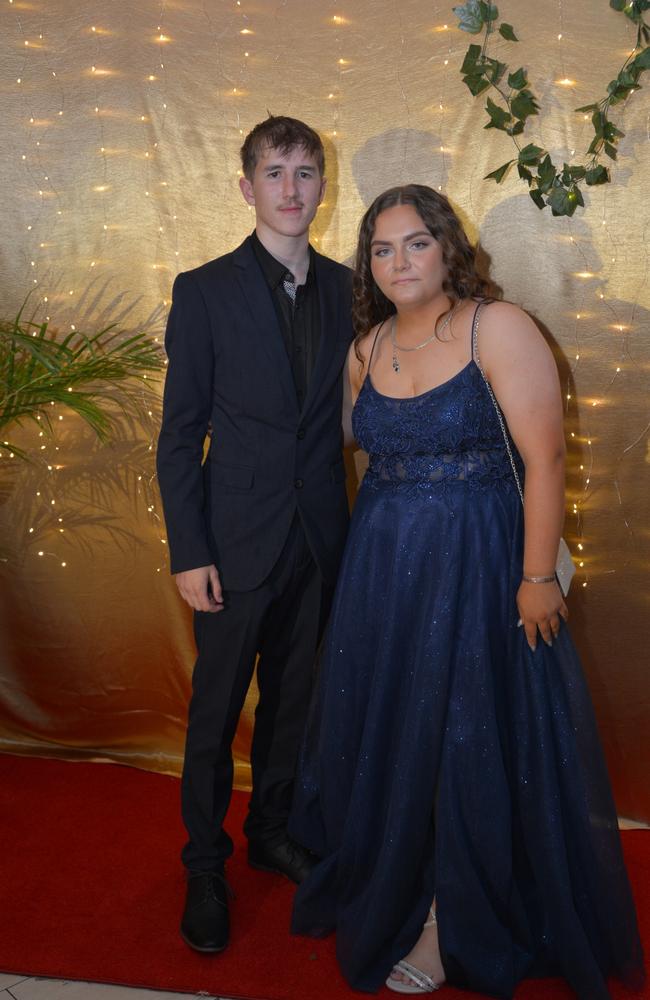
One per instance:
(361, 348)
(504, 322)
(510, 338)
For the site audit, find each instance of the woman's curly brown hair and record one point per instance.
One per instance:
(369, 304)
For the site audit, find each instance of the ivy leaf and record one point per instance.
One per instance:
(516, 129)
(525, 174)
(597, 175)
(476, 84)
(496, 70)
(499, 118)
(500, 173)
(517, 80)
(561, 202)
(572, 174)
(611, 133)
(489, 11)
(506, 31)
(530, 154)
(546, 172)
(627, 77)
(587, 107)
(598, 121)
(469, 67)
(537, 197)
(642, 61)
(596, 144)
(523, 105)
(617, 4)
(611, 150)
(470, 17)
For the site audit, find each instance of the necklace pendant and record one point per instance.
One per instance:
(395, 363)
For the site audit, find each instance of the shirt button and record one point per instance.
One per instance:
(300, 433)
(298, 484)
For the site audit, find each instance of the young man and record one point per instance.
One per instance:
(256, 342)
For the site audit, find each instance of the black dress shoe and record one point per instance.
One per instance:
(205, 924)
(284, 858)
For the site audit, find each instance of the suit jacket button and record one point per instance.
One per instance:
(298, 484)
(300, 433)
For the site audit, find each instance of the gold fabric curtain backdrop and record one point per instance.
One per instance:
(122, 125)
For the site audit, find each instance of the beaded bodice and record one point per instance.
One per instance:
(449, 434)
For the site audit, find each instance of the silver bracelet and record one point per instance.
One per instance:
(538, 579)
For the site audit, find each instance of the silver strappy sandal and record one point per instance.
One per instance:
(419, 981)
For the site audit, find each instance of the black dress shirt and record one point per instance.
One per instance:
(299, 317)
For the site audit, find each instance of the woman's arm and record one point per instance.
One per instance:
(354, 372)
(523, 374)
(348, 400)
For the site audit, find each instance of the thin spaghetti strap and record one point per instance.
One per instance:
(475, 333)
(372, 350)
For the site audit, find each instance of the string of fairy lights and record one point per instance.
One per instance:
(584, 317)
(241, 44)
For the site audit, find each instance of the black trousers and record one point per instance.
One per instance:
(281, 621)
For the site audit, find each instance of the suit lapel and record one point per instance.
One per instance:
(257, 297)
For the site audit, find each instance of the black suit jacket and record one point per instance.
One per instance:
(229, 372)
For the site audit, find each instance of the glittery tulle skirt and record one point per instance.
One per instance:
(444, 758)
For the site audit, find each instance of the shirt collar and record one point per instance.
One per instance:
(274, 270)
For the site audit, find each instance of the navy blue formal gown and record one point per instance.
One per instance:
(443, 757)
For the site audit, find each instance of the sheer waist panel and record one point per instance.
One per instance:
(480, 467)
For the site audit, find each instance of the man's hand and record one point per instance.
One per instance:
(201, 588)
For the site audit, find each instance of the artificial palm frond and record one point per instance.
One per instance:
(92, 375)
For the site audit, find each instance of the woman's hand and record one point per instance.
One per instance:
(541, 606)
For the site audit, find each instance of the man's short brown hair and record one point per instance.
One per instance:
(284, 134)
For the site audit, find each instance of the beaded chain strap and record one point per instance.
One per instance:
(564, 565)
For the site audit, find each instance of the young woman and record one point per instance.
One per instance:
(452, 780)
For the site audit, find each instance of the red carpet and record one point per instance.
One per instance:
(92, 888)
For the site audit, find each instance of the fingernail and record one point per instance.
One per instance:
(519, 623)
(532, 646)
(549, 642)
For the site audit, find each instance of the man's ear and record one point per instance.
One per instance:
(323, 185)
(246, 189)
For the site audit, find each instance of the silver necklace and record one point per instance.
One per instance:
(418, 347)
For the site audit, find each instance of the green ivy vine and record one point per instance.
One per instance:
(548, 184)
